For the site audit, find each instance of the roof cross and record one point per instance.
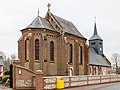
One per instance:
(48, 6)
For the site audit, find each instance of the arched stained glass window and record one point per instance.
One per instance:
(70, 53)
(25, 49)
(80, 50)
(36, 49)
(51, 51)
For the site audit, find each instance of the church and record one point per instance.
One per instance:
(53, 45)
(99, 64)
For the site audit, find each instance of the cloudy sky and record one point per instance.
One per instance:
(17, 14)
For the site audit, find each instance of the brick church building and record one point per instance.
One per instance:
(53, 45)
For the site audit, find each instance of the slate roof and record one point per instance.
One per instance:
(68, 26)
(96, 59)
(40, 22)
(1, 62)
(95, 35)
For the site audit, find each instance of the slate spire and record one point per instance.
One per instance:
(95, 34)
(96, 42)
(95, 28)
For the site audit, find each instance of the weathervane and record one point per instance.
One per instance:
(48, 6)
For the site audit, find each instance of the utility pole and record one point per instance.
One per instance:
(116, 67)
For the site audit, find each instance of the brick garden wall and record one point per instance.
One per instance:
(25, 79)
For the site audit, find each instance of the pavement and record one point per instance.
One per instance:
(3, 87)
(108, 86)
(115, 86)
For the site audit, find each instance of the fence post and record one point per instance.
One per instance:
(14, 63)
(14, 77)
(39, 80)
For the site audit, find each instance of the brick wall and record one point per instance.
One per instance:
(61, 55)
(25, 79)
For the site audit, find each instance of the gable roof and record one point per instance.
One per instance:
(68, 27)
(96, 59)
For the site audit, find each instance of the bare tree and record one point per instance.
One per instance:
(116, 60)
(8, 61)
(13, 56)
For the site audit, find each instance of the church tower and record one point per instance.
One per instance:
(96, 42)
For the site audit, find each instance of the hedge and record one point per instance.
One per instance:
(7, 72)
(4, 79)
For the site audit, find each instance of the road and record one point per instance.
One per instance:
(109, 87)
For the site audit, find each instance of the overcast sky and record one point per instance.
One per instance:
(18, 14)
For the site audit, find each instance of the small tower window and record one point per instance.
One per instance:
(70, 53)
(100, 43)
(93, 43)
(36, 49)
(51, 51)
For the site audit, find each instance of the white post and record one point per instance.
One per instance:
(71, 71)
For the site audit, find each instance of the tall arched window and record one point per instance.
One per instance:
(51, 51)
(80, 50)
(25, 49)
(70, 53)
(36, 49)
